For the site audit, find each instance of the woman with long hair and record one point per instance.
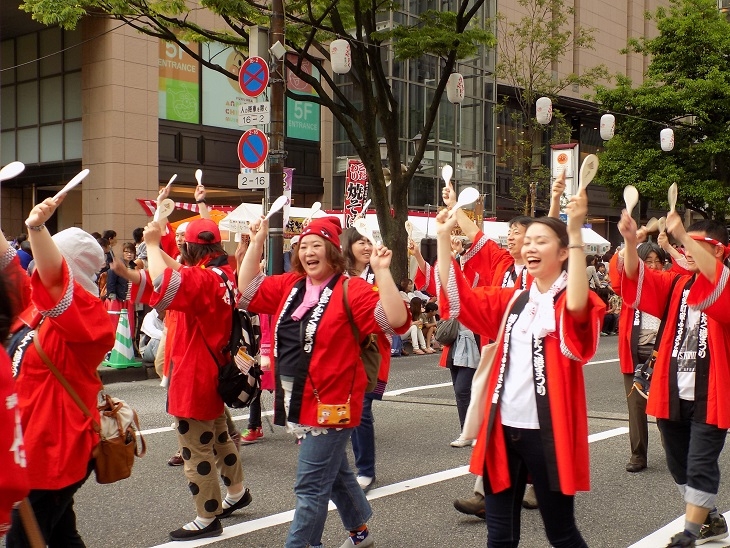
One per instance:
(320, 378)
(535, 417)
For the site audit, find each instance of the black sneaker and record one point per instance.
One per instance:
(213, 530)
(682, 540)
(244, 501)
(713, 529)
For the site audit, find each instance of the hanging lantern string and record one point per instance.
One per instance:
(600, 110)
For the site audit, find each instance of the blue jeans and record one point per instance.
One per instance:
(525, 455)
(323, 473)
(461, 378)
(363, 440)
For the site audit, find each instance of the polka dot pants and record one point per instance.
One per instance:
(205, 446)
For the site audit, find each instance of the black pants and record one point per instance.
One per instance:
(54, 511)
(254, 414)
(525, 456)
(692, 449)
(461, 378)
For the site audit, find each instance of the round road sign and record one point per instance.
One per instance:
(253, 76)
(253, 147)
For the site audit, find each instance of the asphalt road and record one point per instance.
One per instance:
(418, 475)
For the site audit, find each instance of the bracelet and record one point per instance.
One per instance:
(36, 228)
(576, 246)
(200, 201)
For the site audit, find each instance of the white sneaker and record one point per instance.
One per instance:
(461, 442)
(365, 482)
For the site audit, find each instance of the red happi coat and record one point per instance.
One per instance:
(625, 322)
(484, 264)
(335, 354)
(649, 293)
(202, 328)
(566, 351)
(76, 334)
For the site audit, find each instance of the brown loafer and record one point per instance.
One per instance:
(635, 467)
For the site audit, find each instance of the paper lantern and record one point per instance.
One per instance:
(608, 126)
(544, 110)
(666, 137)
(340, 56)
(455, 88)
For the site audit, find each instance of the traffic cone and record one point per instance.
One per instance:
(122, 355)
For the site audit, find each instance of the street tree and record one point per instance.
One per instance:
(369, 113)
(687, 87)
(529, 51)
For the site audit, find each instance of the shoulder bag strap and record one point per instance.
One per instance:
(30, 524)
(349, 311)
(232, 297)
(71, 392)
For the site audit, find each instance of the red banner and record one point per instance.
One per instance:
(356, 190)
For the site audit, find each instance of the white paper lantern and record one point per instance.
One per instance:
(666, 137)
(608, 126)
(455, 88)
(544, 110)
(340, 56)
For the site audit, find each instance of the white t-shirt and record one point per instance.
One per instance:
(687, 355)
(518, 407)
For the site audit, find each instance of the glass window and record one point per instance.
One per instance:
(72, 95)
(422, 191)
(7, 60)
(7, 147)
(27, 57)
(52, 143)
(72, 140)
(28, 145)
(51, 99)
(446, 121)
(72, 55)
(28, 104)
(50, 48)
(7, 114)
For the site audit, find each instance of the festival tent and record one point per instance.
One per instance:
(595, 243)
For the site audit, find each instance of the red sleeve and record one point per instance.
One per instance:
(579, 339)
(712, 298)
(479, 309)
(168, 243)
(17, 281)
(13, 480)
(265, 294)
(367, 309)
(649, 292)
(426, 281)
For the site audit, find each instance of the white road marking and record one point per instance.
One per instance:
(170, 428)
(415, 388)
(282, 518)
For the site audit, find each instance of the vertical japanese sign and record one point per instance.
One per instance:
(221, 95)
(356, 190)
(178, 91)
(302, 117)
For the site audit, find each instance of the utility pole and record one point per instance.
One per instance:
(277, 154)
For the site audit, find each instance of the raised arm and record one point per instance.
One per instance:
(627, 228)
(556, 193)
(444, 226)
(390, 298)
(577, 293)
(706, 262)
(48, 258)
(250, 268)
(467, 226)
(157, 260)
(200, 200)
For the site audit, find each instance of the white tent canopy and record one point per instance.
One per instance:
(595, 243)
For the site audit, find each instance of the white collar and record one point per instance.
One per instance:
(541, 308)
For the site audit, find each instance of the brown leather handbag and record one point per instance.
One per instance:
(117, 434)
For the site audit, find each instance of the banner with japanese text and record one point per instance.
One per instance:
(356, 190)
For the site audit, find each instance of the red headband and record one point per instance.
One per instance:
(708, 240)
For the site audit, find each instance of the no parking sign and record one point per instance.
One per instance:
(253, 76)
(253, 147)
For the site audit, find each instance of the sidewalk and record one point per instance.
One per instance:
(111, 375)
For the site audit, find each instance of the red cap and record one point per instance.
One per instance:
(194, 229)
(328, 228)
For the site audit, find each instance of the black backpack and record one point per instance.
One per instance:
(236, 388)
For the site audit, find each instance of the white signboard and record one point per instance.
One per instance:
(254, 114)
(250, 179)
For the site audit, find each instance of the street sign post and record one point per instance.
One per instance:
(253, 147)
(253, 180)
(253, 76)
(254, 114)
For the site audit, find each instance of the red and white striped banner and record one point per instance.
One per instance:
(150, 206)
